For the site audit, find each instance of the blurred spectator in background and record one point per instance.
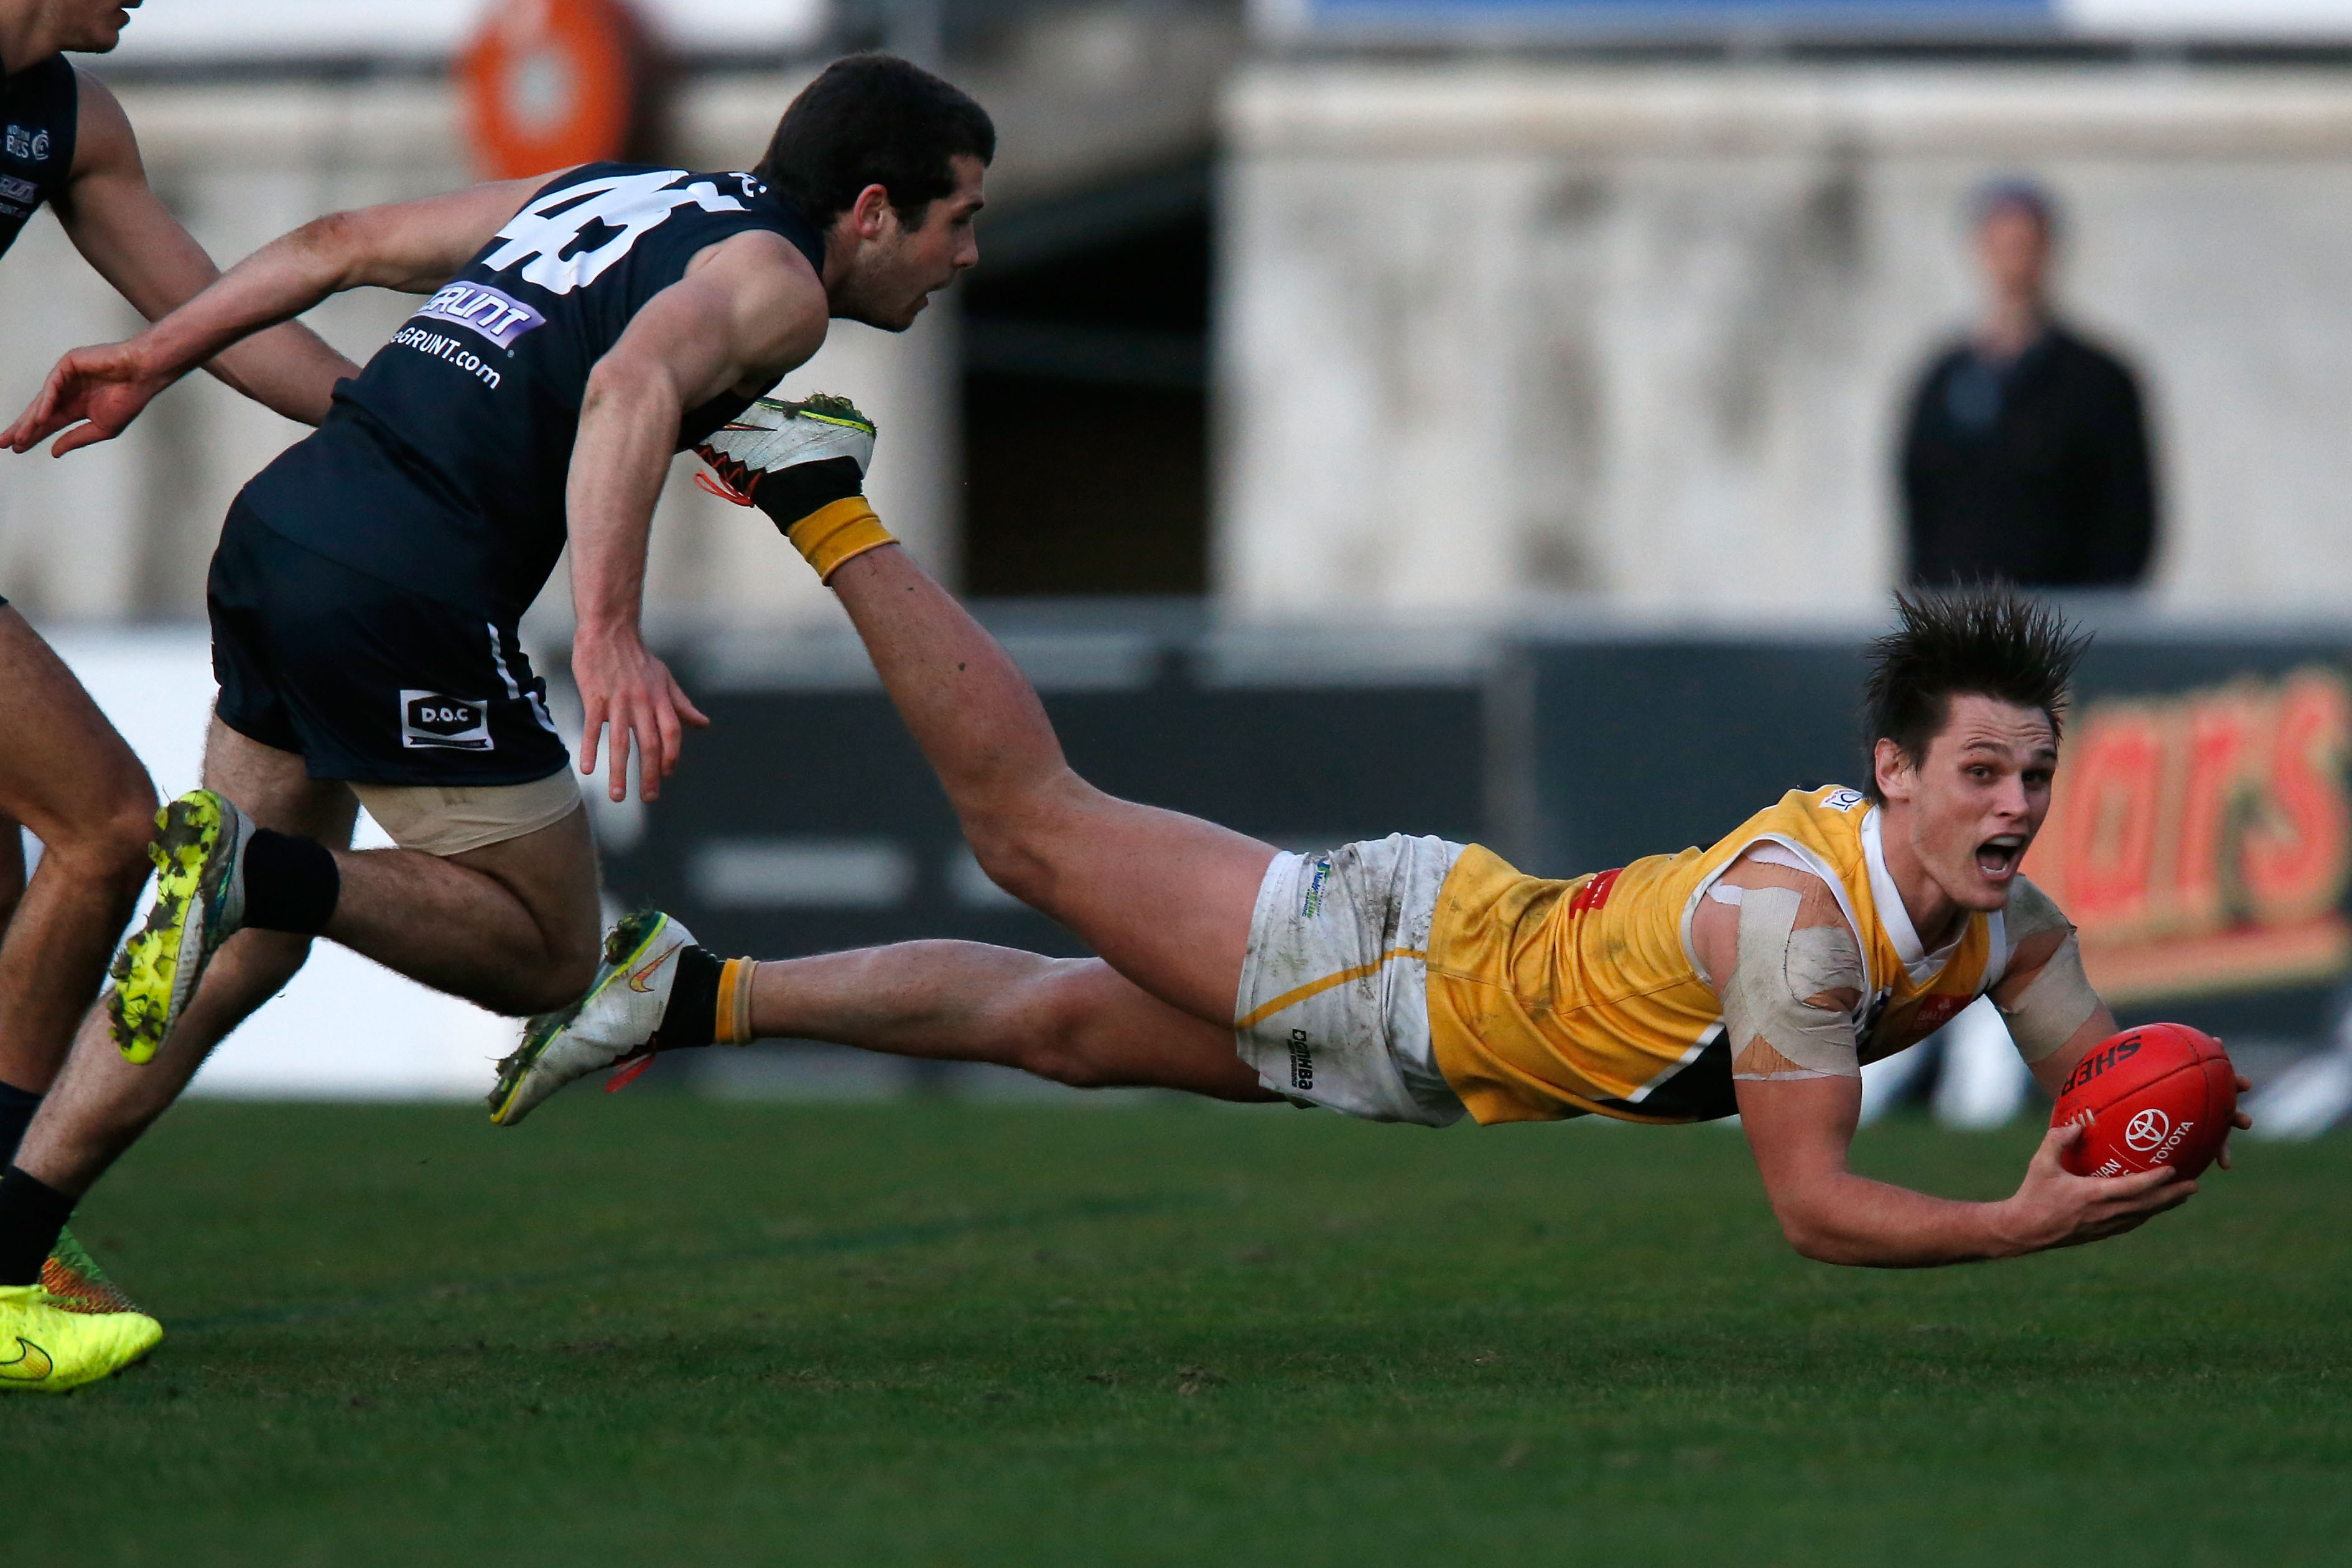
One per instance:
(2025, 458)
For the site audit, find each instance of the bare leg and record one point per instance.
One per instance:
(67, 775)
(1073, 1020)
(1165, 898)
(103, 1103)
(512, 926)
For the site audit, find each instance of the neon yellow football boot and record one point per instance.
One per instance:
(199, 855)
(46, 1349)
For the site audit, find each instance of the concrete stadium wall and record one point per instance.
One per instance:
(1494, 334)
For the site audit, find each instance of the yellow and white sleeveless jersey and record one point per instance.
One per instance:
(1557, 999)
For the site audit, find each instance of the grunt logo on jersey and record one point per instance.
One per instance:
(636, 205)
(477, 308)
(33, 146)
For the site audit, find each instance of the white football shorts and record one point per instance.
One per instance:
(1334, 1003)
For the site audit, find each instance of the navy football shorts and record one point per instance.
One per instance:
(369, 682)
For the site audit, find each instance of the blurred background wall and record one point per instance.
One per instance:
(1393, 348)
(1497, 331)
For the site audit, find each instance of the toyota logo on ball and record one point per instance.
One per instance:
(2147, 1130)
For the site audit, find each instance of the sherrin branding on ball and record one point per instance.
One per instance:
(2158, 1095)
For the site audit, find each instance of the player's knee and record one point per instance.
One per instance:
(561, 979)
(1019, 840)
(129, 824)
(1060, 1027)
(107, 840)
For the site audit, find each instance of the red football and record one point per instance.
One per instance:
(2158, 1095)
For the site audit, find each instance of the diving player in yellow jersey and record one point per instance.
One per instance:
(1411, 980)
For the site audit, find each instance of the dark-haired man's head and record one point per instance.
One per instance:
(1963, 707)
(887, 160)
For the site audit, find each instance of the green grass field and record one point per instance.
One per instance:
(658, 1330)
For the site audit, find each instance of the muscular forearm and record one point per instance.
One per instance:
(275, 284)
(627, 427)
(1850, 1219)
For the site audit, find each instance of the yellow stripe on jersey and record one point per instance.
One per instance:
(1291, 998)
(1555, 998)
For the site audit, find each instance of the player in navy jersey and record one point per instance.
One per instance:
(579, 329)
(64, 772)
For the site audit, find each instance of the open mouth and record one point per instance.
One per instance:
(1997, 858)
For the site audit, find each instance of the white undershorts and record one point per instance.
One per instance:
(1334, 1002)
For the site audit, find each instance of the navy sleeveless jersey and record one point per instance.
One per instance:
(441, 468)
(38, 107)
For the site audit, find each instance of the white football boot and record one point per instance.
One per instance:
(615, 1022)
(772, 435)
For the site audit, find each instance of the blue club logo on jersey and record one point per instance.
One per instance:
(33, 146)
(429, 721)
(479, 308)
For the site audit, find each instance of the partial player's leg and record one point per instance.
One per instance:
(100, 1105)
(103, 1102)
(65, 772)
(68, 776)
(1073, 1020)
(435, 714)
(1166, 899)
(509, 924)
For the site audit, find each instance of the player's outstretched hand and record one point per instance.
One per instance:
(2055, 1208)
(627, 688)
(97, 391)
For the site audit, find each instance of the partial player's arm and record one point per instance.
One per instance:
(2053, 1014)
(747, 310)
(413, 247)
(133, 242)
(1788, 971)
(2044, 997)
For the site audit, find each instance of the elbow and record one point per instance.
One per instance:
(334, 246)
(1811, 1239)
(615, 386)
(1808, 1243)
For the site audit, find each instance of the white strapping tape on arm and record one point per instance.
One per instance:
(2058, 1001)
(1779, 969)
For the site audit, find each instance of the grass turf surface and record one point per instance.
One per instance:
(658, 1330)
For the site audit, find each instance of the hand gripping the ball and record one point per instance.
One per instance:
(2054, 1208)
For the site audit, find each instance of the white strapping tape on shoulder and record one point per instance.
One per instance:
(1780, 969)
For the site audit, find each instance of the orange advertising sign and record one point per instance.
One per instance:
(2201, 841)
